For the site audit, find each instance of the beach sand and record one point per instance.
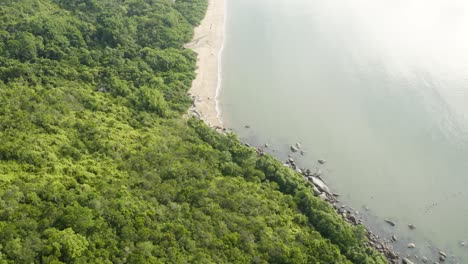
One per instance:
(208, 43)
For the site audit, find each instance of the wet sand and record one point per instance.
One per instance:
(208, 43)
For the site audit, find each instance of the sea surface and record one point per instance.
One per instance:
(378, 89)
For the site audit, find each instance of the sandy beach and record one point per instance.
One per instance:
(208, 43)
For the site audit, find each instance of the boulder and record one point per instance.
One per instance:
(321, 161)
(294, 149)
(424, 259)
(407, 261)
(323, 196)
(352, 219)
(394, 238)
(411, 226)
(390, 222)
(411, 245)
(316, 191)
(319, 184)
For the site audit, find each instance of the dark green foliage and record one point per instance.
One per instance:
(192, 10)
(98, 165)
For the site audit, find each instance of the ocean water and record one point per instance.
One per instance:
(377, 88)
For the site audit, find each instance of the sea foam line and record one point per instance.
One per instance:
(219, 79)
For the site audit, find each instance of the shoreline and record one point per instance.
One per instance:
(208, 43)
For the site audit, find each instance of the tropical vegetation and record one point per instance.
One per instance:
(99, 162)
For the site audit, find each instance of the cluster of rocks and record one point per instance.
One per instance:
(349, 214)
(352, 216)
(442, 256)
(220, 129)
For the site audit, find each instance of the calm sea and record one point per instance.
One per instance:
(377, 88)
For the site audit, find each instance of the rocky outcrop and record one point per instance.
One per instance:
(407, 261)
(294, 149)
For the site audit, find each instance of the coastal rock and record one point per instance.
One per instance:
(390, 222)
(266, 145)
(302, 153)
(411, 226)
(462, 244)
(321, 161)
(424, 259)
(298, 145)
(323, 196)
(411, 245)
(442, 256)
(352, 219)
(407, 261)
(394, 238)
(247, 126)
(319, 184)
(316, 191)
(294, 149)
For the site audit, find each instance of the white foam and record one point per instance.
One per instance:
(220, 67)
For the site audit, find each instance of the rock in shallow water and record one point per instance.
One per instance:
(407, 261)
(294, 149)
(411, 245)
(319, 184)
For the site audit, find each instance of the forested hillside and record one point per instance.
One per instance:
(98, 164)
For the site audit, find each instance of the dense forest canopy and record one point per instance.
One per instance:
(99, 165)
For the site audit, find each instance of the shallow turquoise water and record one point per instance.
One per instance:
(377, 88)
